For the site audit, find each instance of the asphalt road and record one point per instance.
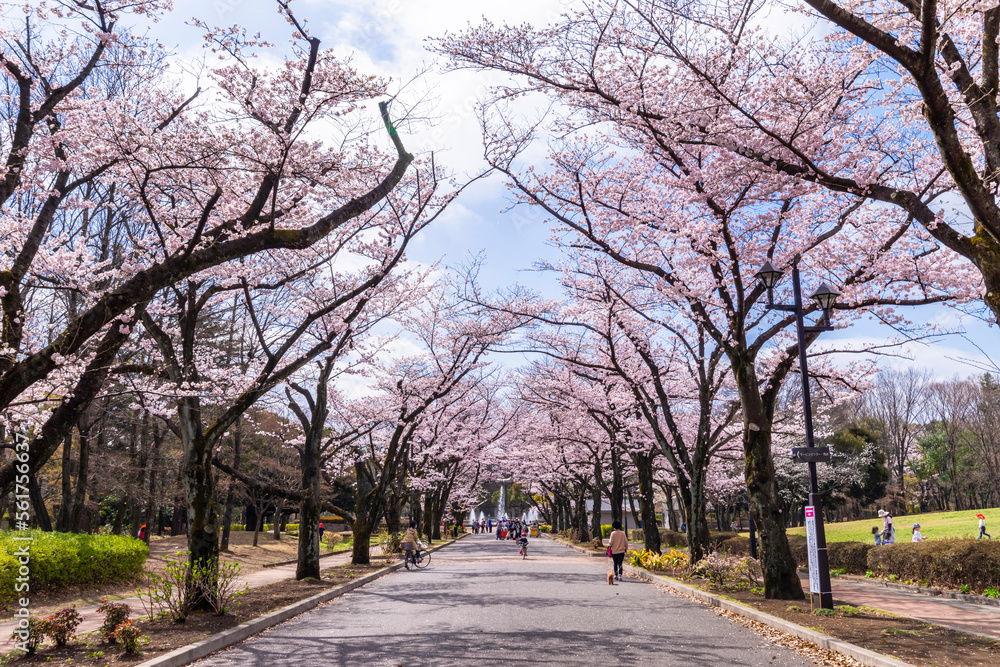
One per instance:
(479, 603)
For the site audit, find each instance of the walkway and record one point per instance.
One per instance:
(479, 603)
(955, 613)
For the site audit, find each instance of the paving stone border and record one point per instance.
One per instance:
(862, 655)
(933, 592)
(200, 649)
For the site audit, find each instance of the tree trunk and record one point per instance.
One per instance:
(428, 530)
(583, 534)
(595, 521)
(80, 495)
(41, 514)
(309, 508)
(650, 531)
(362, 524)
(227, 516)
(199, 490)
(64, 522)
(617, 487)
(279, 509)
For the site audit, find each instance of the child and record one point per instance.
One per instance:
(917, 537)
(982, 528)
(877, 535)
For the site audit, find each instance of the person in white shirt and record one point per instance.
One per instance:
(917, 537)
(888, 529)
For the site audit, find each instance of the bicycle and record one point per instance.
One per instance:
(421, 561)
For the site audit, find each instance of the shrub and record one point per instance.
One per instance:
(597, 543)
(672, 538)
(60, 626)
(849, 556)
(606, 530)
(546, 528)
(391, 544)
(951, 562)
(219, 584)
(130, 636)
(332, 540)
(71, 559)
(171, 591)
(30, 637)
(729, 570)
(735, 546)
(115, 613)
(672, 560)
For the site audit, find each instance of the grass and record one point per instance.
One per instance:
(933, 525)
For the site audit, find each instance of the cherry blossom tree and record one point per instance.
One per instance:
(211, 185)
(633, 179)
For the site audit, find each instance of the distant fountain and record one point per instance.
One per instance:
(502, 506)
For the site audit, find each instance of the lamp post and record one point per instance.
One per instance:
(825, 297)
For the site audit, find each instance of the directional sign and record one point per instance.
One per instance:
(811, 454)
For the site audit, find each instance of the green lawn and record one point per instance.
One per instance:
(933, 525)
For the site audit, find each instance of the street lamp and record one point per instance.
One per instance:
(825, 297)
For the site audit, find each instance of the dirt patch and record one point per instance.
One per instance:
(250, 558)
(907, 639)
(165, 635)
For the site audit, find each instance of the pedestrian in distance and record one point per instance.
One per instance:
(917, 537)
(617, 547)
(888, 528)
(321, 531)
(142, 532)
(982, 527)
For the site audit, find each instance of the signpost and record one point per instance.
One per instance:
(813, 550)
(811, 454)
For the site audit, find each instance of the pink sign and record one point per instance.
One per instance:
(810, 512)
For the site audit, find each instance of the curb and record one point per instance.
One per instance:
(862, 655)
(200, 649)
(933, 592)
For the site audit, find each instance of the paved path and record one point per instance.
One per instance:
(969, 616)
(479, 603)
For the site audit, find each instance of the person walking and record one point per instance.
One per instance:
(888, 528)
(321, 531)
(982, 527)
(618, 547)
(917, 537)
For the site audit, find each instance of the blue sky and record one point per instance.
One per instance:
(388, 37)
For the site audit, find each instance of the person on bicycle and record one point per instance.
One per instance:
(523, 540)
(413, 539)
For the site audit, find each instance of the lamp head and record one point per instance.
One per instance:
(825, 296)
(768, 275)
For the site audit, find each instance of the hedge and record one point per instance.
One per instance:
(69, 559)
(951, 562)
(849, 556)
(739, 545)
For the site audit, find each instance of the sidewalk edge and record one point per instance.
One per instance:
(202, 648)
(862, 655)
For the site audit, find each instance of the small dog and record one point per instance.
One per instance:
(611, 577)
